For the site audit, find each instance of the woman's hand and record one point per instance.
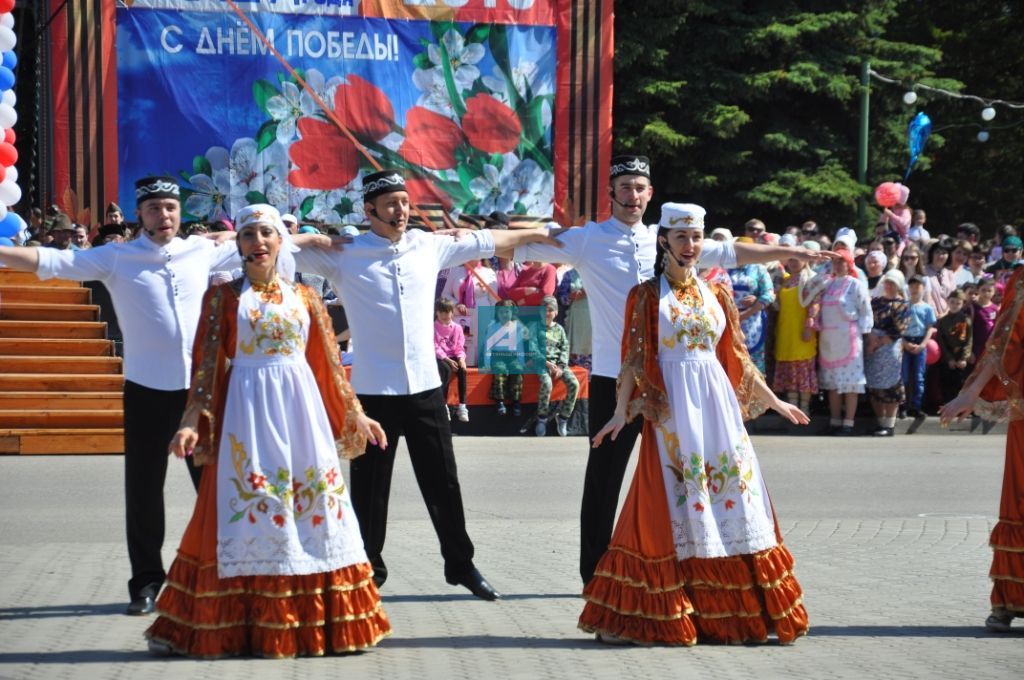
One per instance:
(184, 442)
(958, 409)
(612, 427)
(807, 334)
(373, 431)
(790, 412)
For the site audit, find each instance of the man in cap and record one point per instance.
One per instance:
(1010, 259)
(156, 283)
(291, 223)
(385, 278)
(113, 214)
(613, 256)
(62, 231)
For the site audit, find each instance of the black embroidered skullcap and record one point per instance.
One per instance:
(630, 165)
(383, 182)
(156, 187)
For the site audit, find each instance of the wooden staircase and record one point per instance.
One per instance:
(60, 382)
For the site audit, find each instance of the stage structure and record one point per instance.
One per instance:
(486, 104)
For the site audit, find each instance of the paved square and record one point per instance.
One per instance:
(890, 538)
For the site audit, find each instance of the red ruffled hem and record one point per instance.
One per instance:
(204, 616)
(732, 599)
(1007, 572)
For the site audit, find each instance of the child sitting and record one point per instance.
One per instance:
(504, 355)
(450, 348)
(556, 349)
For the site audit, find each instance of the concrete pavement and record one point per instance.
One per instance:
(890, 538)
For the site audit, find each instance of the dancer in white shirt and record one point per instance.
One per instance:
(386, 280)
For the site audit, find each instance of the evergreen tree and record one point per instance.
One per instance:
(751, 108)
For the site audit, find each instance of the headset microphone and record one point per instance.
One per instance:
(393, 223)
(620, 203)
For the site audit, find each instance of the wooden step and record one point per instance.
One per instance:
(53, 329)
(42, 364)
(45, 295)
(31, 311)
(60, 382)
(11, 278)
(51, 418)
(55, 347)
(68, 401)
(27, 441)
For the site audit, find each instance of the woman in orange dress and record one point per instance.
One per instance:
(697, 551)
(272, 563)
(994, 392)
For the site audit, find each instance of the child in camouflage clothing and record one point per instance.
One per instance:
(557, 364)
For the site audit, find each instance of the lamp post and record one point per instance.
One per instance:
(862, 137)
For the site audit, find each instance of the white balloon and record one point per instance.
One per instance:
(10, 193)
(7, 39)
(8, 116)
(7, 19)
(909, 97)
(9, 98)
(3, 212)
(983, 136)
(12, 174)
(988, 113)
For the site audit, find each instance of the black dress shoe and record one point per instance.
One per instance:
(844, 431)
(144, 603)
(475, 582)
(883, 432)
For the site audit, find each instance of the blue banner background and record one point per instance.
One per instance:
(197, 116)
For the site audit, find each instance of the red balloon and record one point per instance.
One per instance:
(8, 154)
(9, 135)
(6, 6)
(932, 353)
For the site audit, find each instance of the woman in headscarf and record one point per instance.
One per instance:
(696, 552)
(883, 353)
(272, 562)
(843, 317)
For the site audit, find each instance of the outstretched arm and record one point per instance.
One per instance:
(756, 253)
(19, 258)
(506, 241)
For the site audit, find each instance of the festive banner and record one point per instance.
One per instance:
(462, 98)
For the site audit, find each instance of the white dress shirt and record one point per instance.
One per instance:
(157, 293)
(387, 289)
(611, 258)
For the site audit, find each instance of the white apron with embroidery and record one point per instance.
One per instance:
(716, 496)
(282, 505)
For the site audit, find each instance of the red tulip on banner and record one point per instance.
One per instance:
(8, 155)
(326, 158)
(430, 139)
(364, 109)
(423, 191)
(490, 125)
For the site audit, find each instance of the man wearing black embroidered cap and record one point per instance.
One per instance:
(611, 257)
(386, 279)
(156, 283)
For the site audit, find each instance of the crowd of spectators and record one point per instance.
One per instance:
(900, 319)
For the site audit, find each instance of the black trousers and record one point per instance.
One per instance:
(446, 372)
(606, 466)
(151, 418)
(423, 419)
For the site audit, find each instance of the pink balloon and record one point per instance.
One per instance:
(932, 353)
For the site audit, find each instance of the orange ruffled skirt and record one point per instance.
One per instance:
(202, 615)
(642, 592)
(1007, 540)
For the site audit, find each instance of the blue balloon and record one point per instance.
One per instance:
(10, 59)
(918, 131)
(6, 78)
(10, 225)
(4, 241)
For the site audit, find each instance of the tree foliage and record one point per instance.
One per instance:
(752, 108)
